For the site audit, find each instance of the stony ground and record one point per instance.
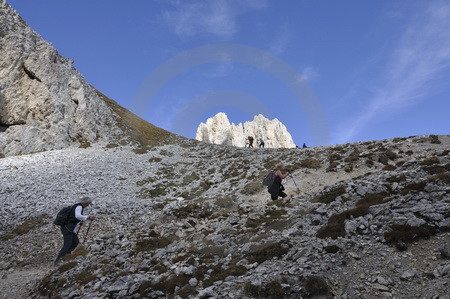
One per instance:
(362, 220)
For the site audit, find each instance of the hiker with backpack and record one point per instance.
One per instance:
(276, 188)
(70, 219)
(250, 141)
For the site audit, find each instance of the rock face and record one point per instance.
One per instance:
(44, 102)
(218, 130)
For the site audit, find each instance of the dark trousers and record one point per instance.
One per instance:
(70, 242)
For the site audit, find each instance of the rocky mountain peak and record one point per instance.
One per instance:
(219, 130)
(45, 103)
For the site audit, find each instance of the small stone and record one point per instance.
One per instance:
(193, 282)
(354, 255)
(380, 287)
(408, 274)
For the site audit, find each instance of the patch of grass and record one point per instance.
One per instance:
(272, 290)
(267, 251)
(317, 286)
(168, 285)
(396, 179)
(434, 169)
(154, 160)
(441, 177)
(389, 167)
(140, 150)
(79, 251)
(193, 210)
(271, 163)
(187, 291)
(152, 243)
(331, 248)
(146, 181)
(166, 153)
(111, 145)
(2, 155)
(138, 130)
(443, 153)
(330, 195)
(307, 163)
(152, 193)
(84, 277)
(252, 188)
(29, 224)
(430, 161)
(85, 144)
(406, 233)
(269, 217)
(188, 179)
(413, 187)
(67, 266)
(220, 273)
(336, 223)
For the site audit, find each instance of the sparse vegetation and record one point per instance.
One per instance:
(406, 233)
(272, 289)
(27, 225)
(151, 243)
(336, 223)
(267, 251)
(252, 188)
(316, 285)
(330, 195)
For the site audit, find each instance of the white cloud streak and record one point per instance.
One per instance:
(421, 55)
(215, 17)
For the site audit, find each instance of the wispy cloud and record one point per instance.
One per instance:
(309, 73)
(420, 56)
(281, 40)
(215, 17)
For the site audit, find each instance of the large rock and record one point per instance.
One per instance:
(44, 101)
(219, 130)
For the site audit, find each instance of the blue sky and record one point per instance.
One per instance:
(331, 71)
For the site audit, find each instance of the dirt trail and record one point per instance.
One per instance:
(18, 283)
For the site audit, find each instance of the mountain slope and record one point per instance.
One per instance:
(368, 219)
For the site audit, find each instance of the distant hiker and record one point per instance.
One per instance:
(276, 188)
(304, 145)
(250, 141)
(261, 142)
(70, 229)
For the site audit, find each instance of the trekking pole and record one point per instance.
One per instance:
(87, 232)
(295, 183)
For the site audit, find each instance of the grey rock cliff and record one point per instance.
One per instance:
(44, 101)
(218, 130)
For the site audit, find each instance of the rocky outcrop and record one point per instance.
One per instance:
(218, 130)
(44, 101)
